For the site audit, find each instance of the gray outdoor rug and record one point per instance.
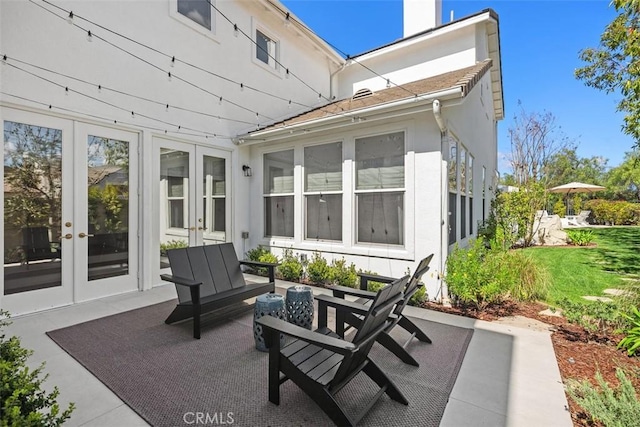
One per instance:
(169, 378)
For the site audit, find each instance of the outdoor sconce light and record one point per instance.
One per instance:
(246, 170)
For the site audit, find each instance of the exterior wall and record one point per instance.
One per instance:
(422, 200)
(427, 56)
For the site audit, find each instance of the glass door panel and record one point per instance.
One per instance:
(32, 207)
(174, 201)
(213, 200)
(108, 207)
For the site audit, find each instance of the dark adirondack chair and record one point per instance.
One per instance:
(365, 297)
(208, 278)
(37, 246)
(321, 363)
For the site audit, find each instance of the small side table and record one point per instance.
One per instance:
(267, 305)
(300, 306)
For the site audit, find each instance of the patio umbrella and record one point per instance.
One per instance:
(576, 187)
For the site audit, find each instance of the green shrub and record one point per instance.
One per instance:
(559, 208)
(172, 244)
(255, 254)
(261, 254)
(592, 315)
(22, 402)
(531, 280)
(290, 268)
(580, 237)
(318, 270)
(419, 297)
(343, 275)
(474, 277)
(614, 212)
(612, 407)
(631, 341)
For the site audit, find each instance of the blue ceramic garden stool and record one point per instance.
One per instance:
(267, 305)
(300, 306)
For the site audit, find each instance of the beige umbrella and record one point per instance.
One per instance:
(576, 187)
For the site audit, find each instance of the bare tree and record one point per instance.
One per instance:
(535, 138)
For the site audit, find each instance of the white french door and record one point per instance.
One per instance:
(69, 212)
(192, 196)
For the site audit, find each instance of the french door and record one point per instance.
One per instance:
(69, 212)
(192, 196)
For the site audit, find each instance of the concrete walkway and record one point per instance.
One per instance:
(509, 376)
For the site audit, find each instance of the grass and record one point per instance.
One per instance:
(579, 271)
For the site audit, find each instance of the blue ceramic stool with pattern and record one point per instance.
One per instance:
(300, 306)
(267, 305)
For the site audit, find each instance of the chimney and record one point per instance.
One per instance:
(421, 15)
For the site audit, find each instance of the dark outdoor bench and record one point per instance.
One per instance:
(208, 278)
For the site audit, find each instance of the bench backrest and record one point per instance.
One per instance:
(216, 266)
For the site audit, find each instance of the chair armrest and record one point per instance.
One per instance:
(330, 343)
(340, 304)
(365, 278)
(341, 291)
(270, 265)
(180, 280)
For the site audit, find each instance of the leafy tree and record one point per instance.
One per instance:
(623, 182)
(614, 66)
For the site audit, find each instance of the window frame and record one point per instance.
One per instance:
(267, 194)
(306, 193)
(402, 226)
(185, 20)
(274, 68)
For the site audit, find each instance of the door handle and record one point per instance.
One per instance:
(68, 236)
(83, 235)
(202, 228)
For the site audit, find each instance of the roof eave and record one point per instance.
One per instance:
(323, 123)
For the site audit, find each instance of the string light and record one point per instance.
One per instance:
(169, 76)
(241, 87)
(235, 30)
(167, 109)
(66, 91)
(220, 101)
(287, 21)
(89, 36)
(99, 88)
(388, 83)
(286, 75)
(70, 17)
(173, 61)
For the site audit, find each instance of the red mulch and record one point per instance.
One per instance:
(580, 353)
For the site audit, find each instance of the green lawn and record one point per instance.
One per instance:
(580, 271)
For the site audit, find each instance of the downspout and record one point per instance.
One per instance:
(437, 114)
(331, 76)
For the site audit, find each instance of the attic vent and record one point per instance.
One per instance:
(362, 93)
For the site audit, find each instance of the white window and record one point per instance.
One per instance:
(323, 191)
(380, 189)
(266, 49)
(463, 192)
(470, 190)
(453, 189)
(278, 194)
(199, 11)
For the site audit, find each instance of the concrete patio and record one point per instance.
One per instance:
(509, 376)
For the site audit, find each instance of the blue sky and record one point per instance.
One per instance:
(540, 41)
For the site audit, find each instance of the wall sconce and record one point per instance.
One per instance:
(246, 170)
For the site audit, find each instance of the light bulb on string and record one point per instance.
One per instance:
(169, 76)
(286, 75)
(289, 106)
(89, 36)
(4, 59)
(241, 87)
(220, 101)
(66, 91)
(388, 83)
(173, 61)
(235, 30)
(99, 88)
(70, 18)
(287, 20)
(167, 108)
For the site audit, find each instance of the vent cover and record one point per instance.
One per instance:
(362, 93)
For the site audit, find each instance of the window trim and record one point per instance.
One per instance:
(268, 195)
(212, 33)
(403, 190)
(276, 69)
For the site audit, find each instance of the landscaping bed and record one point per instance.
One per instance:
(580, 353)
